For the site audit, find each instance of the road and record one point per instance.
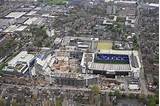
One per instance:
(144, 89)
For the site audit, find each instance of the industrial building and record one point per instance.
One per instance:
(15, 15)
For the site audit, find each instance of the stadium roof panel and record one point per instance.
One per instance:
(109, 67)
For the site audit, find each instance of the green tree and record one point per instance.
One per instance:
(95, 90)
(2, 102)
(39, 35)
(135, 43)
(55, 2)
(110, 94)
(117, 94)
(95, 94)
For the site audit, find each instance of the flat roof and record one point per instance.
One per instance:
(21, 28)
(109, 67)
(11, 28)
(6, 22)
(31, 13)
(57, 40)
(15, 14)
(154, 5)
(30, 21)
(23, 56)
(83, 46)
(128, 2)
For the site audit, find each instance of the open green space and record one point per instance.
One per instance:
(55, 2)
(104, 45)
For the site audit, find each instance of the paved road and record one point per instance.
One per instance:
(144, 89)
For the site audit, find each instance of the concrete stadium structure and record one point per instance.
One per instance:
(112, 63)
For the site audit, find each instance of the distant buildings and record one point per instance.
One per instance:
(1, 2)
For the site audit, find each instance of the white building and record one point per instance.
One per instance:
(22, 57)
(20, 63)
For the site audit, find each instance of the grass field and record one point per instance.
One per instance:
(57, 2)
(104, 45)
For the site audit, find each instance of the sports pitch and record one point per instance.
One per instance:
(104, 45)
(112, 59)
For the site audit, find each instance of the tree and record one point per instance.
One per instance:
(39, 35)
(95, 90)
(135, 43)
(110, 94)
(95, 97)
(117, 94)
(2, 102)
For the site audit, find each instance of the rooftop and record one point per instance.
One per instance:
(23, 56)
(11, 28)
(127, 2)
(15, 14)
(109, 67)
(21, 28)
(30, 21)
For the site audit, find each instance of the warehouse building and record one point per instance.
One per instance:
(15, 15)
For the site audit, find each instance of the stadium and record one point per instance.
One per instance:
(112, 63)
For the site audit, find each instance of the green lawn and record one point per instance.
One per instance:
(57, 2)
(104, 45)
